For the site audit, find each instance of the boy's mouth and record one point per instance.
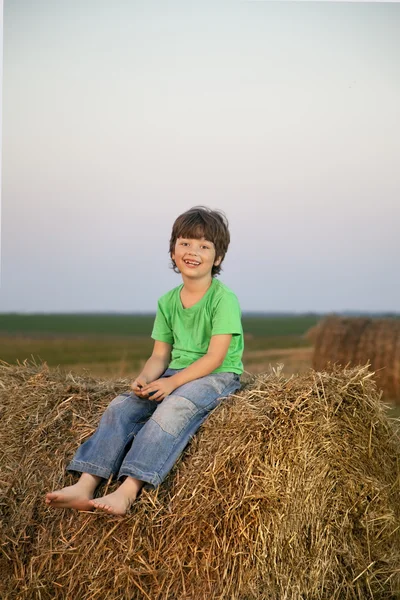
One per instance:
(191, 263)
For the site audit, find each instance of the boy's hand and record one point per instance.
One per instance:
(138, 385)
(160, 388)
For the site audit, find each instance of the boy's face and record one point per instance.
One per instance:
(195, 258)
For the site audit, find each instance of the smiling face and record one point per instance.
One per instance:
(200, 224)
(195, 258)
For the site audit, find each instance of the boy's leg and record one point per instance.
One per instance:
(103, 452)
(160, 442)
(101, 455)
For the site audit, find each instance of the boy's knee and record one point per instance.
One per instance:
(115, 409)
(174, 413)
(119, 400)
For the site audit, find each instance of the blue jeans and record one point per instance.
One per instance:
(142, 438)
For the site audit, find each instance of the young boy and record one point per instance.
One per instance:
(196, 361)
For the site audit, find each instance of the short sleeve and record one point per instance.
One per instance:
(162, 332)
(227, 316)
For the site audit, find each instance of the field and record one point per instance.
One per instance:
(140, 324)
(118, 345)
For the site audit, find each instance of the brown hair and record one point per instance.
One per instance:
(198, 222)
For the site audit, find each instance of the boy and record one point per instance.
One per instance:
(196, 361)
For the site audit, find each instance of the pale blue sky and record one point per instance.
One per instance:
(118, 116)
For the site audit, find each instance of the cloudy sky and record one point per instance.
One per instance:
(118, 116)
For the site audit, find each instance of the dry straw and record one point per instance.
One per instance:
(358, 341)
(289, 491)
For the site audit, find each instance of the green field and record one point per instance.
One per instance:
(138, 325)
(118, 344)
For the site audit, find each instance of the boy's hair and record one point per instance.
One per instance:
(198, 222)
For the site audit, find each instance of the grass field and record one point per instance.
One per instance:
(138, 325)
(118, 344)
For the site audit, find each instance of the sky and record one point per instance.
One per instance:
(118, 116)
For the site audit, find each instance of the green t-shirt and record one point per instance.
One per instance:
(189, 330)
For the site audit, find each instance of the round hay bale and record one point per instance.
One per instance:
(291, 490)
(312, 333)
(358, 341)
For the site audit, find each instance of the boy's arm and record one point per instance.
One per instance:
(154, 367)
(217, 350)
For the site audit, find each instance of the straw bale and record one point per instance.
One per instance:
(312, 333)
(358, 341)
(290, 490)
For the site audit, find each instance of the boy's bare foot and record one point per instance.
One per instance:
(119, 502)
(76, 496)
(69, 497)
(115, 503)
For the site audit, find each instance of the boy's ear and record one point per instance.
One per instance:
(217, 261)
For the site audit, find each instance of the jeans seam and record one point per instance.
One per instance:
(164, 430)
(86, 462)
(138, 473)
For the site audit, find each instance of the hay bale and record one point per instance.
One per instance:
(290, 490)
(358, 341)
(312, 333)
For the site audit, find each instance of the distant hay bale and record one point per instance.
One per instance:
(291, 490)
(358, 341)
(312, 333)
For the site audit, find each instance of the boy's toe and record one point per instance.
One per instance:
(51, 497)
